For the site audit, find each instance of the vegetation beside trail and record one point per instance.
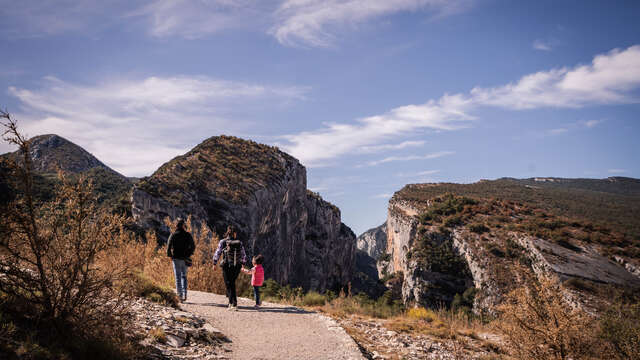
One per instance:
(63, 286)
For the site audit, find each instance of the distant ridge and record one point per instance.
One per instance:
(614, 200)
(52, 152)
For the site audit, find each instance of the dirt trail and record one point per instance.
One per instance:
(275, 331)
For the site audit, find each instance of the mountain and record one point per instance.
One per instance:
(262, 192)
(483, 239)
(373, 241)
(52, 153)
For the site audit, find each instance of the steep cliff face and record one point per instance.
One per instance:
(446, 245)
(262, 192)
(373, 241)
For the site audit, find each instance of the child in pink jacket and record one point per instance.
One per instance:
(257, 277)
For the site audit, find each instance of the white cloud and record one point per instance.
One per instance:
(617, 171)
(387, 147)
(291, 22)
(194, 19)
(592, 123)
(410, 158)
(122, 121)
(541, 45)
(26, 18)
(611, 78)
(307, 22)
(382, 196)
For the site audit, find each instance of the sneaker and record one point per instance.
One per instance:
(234, 308)
(229, 307)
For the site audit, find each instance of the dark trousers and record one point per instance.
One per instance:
(256, 294)
(230, 274)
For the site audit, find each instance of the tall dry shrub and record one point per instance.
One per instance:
(50, 254)
(538, 323)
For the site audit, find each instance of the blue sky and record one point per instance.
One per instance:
(368, 94)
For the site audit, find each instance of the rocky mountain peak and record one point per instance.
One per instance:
(52, 152)
(262, 192)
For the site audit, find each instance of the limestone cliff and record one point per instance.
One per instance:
(445, 245)
(373, 241)
(262, 192)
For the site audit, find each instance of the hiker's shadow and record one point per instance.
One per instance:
(266, 309)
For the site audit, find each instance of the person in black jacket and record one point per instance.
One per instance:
(180, 247)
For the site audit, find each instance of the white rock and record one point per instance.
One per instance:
(174, 340)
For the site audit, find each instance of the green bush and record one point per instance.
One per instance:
(464, 303)
(146, 288)
(270, 289)
(313, 298)
(453, 221)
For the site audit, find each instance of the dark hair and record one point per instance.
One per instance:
(180, 223)
(259, 259)
(230, 231)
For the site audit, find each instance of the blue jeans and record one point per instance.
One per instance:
(180, 273)
(256, 294)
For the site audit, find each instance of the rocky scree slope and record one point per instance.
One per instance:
(483, 239)
(262, 192)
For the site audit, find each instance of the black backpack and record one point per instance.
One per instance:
(233, 252)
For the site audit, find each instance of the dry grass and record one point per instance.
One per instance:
(158, 335)
(154, 263)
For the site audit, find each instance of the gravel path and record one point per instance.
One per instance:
(275, 331)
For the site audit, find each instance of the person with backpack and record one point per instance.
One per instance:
(180, 247)
(234, 257)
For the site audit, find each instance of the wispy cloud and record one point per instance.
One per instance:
(195, 19)
(611, 78)
(557, 131)
(120, 121)
(307, 22)
(410, 158)
(542, 45)
(382, 196)
(592, 123)
(27, 18)
(617, 171)
(388, 147)
(291, 22)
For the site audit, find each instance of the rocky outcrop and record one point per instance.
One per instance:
(401, 232)
(262, 192)
(374, 241)
(492, 261)
(169, 333)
